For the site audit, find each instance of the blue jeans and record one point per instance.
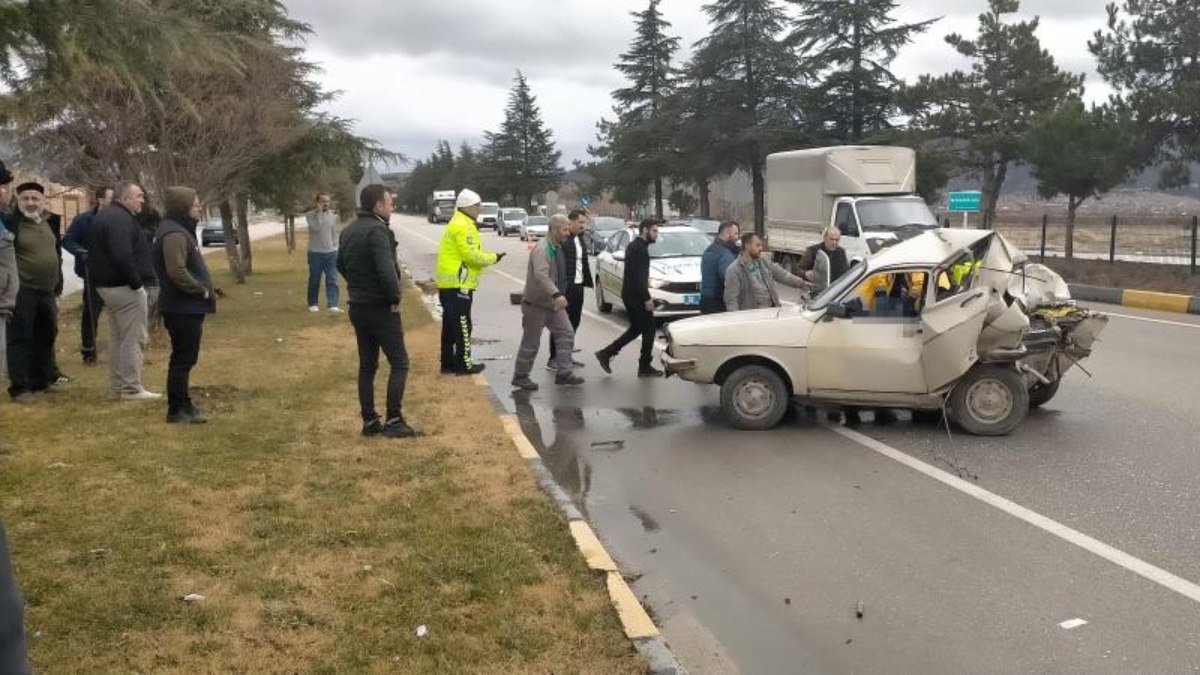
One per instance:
(318, 264)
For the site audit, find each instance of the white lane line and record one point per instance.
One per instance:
(1073, 623)
(1116, 556)
(1149, 320)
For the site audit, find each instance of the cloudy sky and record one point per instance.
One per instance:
(414, 71)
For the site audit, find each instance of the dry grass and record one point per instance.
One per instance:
(316, 550)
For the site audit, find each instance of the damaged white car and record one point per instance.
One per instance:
(953, 320)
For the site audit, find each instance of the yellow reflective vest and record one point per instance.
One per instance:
(460, 255)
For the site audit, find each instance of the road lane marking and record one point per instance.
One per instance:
(1116, 556)
(1073, 623)
(1149, 320)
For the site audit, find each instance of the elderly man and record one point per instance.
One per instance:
(73, 242)
(714, 263)
(322, 255)
(750, 281)
(460, 260)
(826, 262)
(579, 277)
(544, 305)
(34, 327)
(119, 262)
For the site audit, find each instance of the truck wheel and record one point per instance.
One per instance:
(989, 401)
(604, 307)
(1040, 394)
(754, 398)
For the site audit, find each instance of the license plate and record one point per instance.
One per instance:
(692, 299)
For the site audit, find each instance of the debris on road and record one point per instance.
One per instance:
(1072, 623)
(608, 445)
(787, 601)
(859, 610)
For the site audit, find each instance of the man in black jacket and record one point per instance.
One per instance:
(73, 242)
(825, 262)
(186, 295)
(635, 295)
(120, 264)
(579, 277)
(366, 259)
(33, 330)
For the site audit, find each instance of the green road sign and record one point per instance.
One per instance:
(965, 202)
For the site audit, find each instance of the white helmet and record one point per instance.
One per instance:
(467, 198)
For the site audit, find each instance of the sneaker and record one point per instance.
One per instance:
(524, 383)
(314, 309)
(473, 369)
(142, 395)
(60, 381)
(398, 428)
(186, 416)
(571, 379)
(649, 371)
(605, 361)
(373, 427)
(335, 310)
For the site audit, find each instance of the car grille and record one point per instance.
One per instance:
(682, 287)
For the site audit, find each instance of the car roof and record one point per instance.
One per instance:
(670, 229)
(928, 249)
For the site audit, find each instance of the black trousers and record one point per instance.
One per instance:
(377, 328)
(574, 313)
(185, 330)
(456, 328)
(32, 332)
(93, 304)
(641, 324)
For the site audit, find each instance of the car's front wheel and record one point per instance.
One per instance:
(989, 401)
(1040, 394)
(754, 398)
(604, 307)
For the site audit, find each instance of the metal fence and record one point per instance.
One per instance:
(1162, 240)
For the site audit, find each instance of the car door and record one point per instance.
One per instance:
(619, 244)
(611, 268)
(951, 323)
(878, 348)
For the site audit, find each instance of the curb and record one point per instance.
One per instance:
(638, 626)
(1163, 302)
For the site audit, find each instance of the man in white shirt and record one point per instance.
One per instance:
(579, 276)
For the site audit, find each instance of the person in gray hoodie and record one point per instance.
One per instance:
(544, 305)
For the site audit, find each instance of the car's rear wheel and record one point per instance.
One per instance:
(754, 398)
(989, 401)
(604, 307)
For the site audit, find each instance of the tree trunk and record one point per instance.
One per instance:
(856, 107)
(231, 247)
(702, 188)
(760, 195)
(243, 218)
(289, 231)
(994, 174)
(658, 198)
(1069, 245)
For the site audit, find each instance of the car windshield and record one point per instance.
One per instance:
(489, 209)
(705, 226)
(895, 214)
(837, 288)
(538, 221)
(444, 203)
(680, 244)
(607, 224)
(514, 214)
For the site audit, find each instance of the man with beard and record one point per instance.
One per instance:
(33, 331)
(635, 295)
(716, 260)
(750, 281)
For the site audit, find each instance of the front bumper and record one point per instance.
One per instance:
(676, 366)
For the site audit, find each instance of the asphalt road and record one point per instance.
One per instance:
(965, 554)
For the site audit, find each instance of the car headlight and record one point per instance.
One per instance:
(657, 283)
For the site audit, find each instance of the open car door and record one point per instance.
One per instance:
(952, 321)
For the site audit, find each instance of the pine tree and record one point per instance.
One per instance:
(642, 140)
(990, 109)
(521, 157)
(849, 46)
(753, 82)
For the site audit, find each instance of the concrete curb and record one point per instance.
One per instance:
(1162, 302)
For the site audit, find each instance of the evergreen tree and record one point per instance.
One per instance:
(521, 157)
(1148, 53)
(753, 82)
(990, 109)
(642, 138)
(849, 45)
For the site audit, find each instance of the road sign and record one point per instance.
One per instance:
(965, 202)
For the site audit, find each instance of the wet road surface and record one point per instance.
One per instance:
(756, 550)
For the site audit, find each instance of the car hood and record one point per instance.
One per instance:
(729, 328)
(676, 270)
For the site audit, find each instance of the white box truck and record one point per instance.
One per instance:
(868, 192)
(441, 206)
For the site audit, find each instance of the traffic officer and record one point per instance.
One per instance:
(460, 260)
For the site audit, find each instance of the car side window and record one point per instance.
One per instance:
(845, 220)
(956, 277)
(619, 242)
(895, 293)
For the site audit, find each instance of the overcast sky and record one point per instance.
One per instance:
(414, 71)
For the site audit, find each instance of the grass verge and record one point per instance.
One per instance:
(316, 550)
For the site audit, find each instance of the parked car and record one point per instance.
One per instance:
(705, 225)
(511, 221)
(674, 270)
(535, 226)
(599, 230)
(953, 320)
(212, 233)
(489, 215)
